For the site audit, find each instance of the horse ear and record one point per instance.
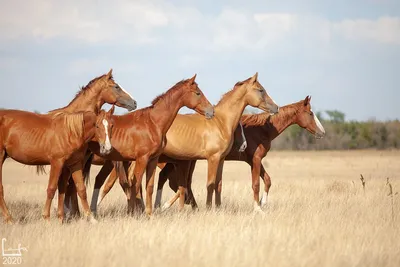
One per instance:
(111, 111)
(254, 78)
(193, 78)
(109, 74)
(307, 100)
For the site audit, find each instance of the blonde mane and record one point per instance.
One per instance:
(73, 122)
(227, 94)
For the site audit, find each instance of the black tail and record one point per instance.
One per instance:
(86, 169)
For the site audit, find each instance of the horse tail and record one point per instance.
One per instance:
(120, 172)
(40, 169)
(86, 169)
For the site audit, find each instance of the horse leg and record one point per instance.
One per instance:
(267, 185)
(55, 171)
(3, 207)
(150, 173)
(183, 176)
(218, 182)
(100, 179)
(255, 175)
(136, 182)
(77, 175)
(62, 188)
(74, 206)
(213, 163)
(109, 183)
(164, 175)
(191, 199)
(124, 182)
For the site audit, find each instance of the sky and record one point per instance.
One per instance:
(345, 54)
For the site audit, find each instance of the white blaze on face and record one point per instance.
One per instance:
(318, 123)
(125, 91)
(107, 143)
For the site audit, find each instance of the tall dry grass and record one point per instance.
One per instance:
(317, 215)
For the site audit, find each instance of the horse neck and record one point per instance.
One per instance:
(165, 110)
(89, 119)
(230, 109)
(90, 100)
(280, 121)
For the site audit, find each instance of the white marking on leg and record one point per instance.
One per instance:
(166, 206)
(257, 207)
(264, 199)
(107, 143)
(157, 202)
(244, 144)
(125, 91)
(95, 199)
(318, 123)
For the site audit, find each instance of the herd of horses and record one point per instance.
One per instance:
(72, 138)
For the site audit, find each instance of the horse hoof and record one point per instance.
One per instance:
(165, 207)
(92, 220)
(9, 221)
(258, 210)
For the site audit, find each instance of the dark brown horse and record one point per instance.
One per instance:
(92, 97)
(259, 130)
(49, 139)
(141, 135)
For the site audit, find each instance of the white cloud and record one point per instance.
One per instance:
(382, 30)
(143, 22)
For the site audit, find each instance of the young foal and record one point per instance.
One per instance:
(191, 137)
(92, 97)
(140, 135)
(35, 139)
(259, 130)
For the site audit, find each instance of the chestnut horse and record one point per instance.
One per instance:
(260, 130)
(92, 97)
(141, 135)
(191, 137)
(42, 139)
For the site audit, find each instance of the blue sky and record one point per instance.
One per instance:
(345, 54)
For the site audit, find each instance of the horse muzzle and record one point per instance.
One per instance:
(105, 149)
(209, 112)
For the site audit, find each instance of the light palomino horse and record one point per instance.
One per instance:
(48, 139)
(260, 130)
(140, 135)
(192, 137)
(239, 139)
(92, 97)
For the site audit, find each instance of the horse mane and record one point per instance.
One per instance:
(73, 122)
(167, 95)
(255, 119)
(227, 94)
(82, 91)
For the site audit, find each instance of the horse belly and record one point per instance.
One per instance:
(26, 154)
(28, 157)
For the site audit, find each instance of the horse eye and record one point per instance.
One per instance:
(197, 93)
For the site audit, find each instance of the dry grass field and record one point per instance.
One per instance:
(318, 215)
